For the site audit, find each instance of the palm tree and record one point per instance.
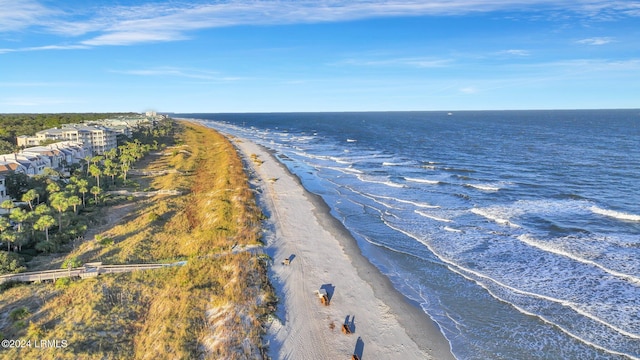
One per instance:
(96, 159)
(30, 218)
(19, 216)
(87, 159)
(44, 223)
(53, 187)
(10, 237)
(74, 201)
(42, 209)
(4, 226)
(71, 188)
(124, 167)
(20, 239)
(111, 154)
(96, 191)
(7, 205)
(95, 171)
(83, 188)
(60, 202)
(110, 169)
(29, 196)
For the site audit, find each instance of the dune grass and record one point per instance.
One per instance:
(212, 307)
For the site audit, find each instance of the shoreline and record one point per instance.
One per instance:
(387, 324)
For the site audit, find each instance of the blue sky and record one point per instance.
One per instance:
(324, 55)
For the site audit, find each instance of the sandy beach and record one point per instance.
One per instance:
(324, 255)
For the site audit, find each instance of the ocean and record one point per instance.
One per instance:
(517, 232)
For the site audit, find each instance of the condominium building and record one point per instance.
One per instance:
(3, 189)
(98, 139)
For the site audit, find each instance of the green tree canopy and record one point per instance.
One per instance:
(11, 263)
(44, 223)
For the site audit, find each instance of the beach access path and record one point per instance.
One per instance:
(385, 325)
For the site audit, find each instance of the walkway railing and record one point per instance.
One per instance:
(86, 271)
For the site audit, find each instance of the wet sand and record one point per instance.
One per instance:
(385, 324)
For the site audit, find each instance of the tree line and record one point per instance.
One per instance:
(50, 210)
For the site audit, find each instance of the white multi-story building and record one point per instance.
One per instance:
(33, 161)
(98, 139)
(3, 189)
(26, 140)
(10, 162)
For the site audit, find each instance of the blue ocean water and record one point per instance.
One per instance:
(518, 232)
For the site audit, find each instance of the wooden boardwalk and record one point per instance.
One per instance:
(86, 271)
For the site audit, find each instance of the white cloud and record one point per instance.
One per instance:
(35, 101)
(416, 62)
(179, 72)
(515, 52)
(46, 47)
(131, 38)
(469, 90)
(171, 21)
(596, 41)
(17, 15)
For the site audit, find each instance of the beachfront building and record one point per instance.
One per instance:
(12, 164)
(73, 151)
(99, 139)
(98, 136)
(55, 156)
(34, 160)
(26, 141)
(3, 188)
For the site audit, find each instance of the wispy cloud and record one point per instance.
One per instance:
(46, 47)
(596, 41)
(515, 52)
(36, 84)
(468, 90)
(173, 21)
(17, 15)
(415, 62)
(35, 101)
(178, 72)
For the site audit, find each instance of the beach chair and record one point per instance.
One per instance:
(346, 329)
(322, 295)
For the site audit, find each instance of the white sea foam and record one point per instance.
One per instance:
(450, 229)
(389, 163)
(566, 303)
(615, 214)
(372, 198)
(422, 181)
(483, 187)
(414, 203)
(340, 160)
(493, 217)
(432, 217)
(383, 182)
(548, 247)
(461, 271)
(345, 170)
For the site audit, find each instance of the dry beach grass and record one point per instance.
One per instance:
(212, 307)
